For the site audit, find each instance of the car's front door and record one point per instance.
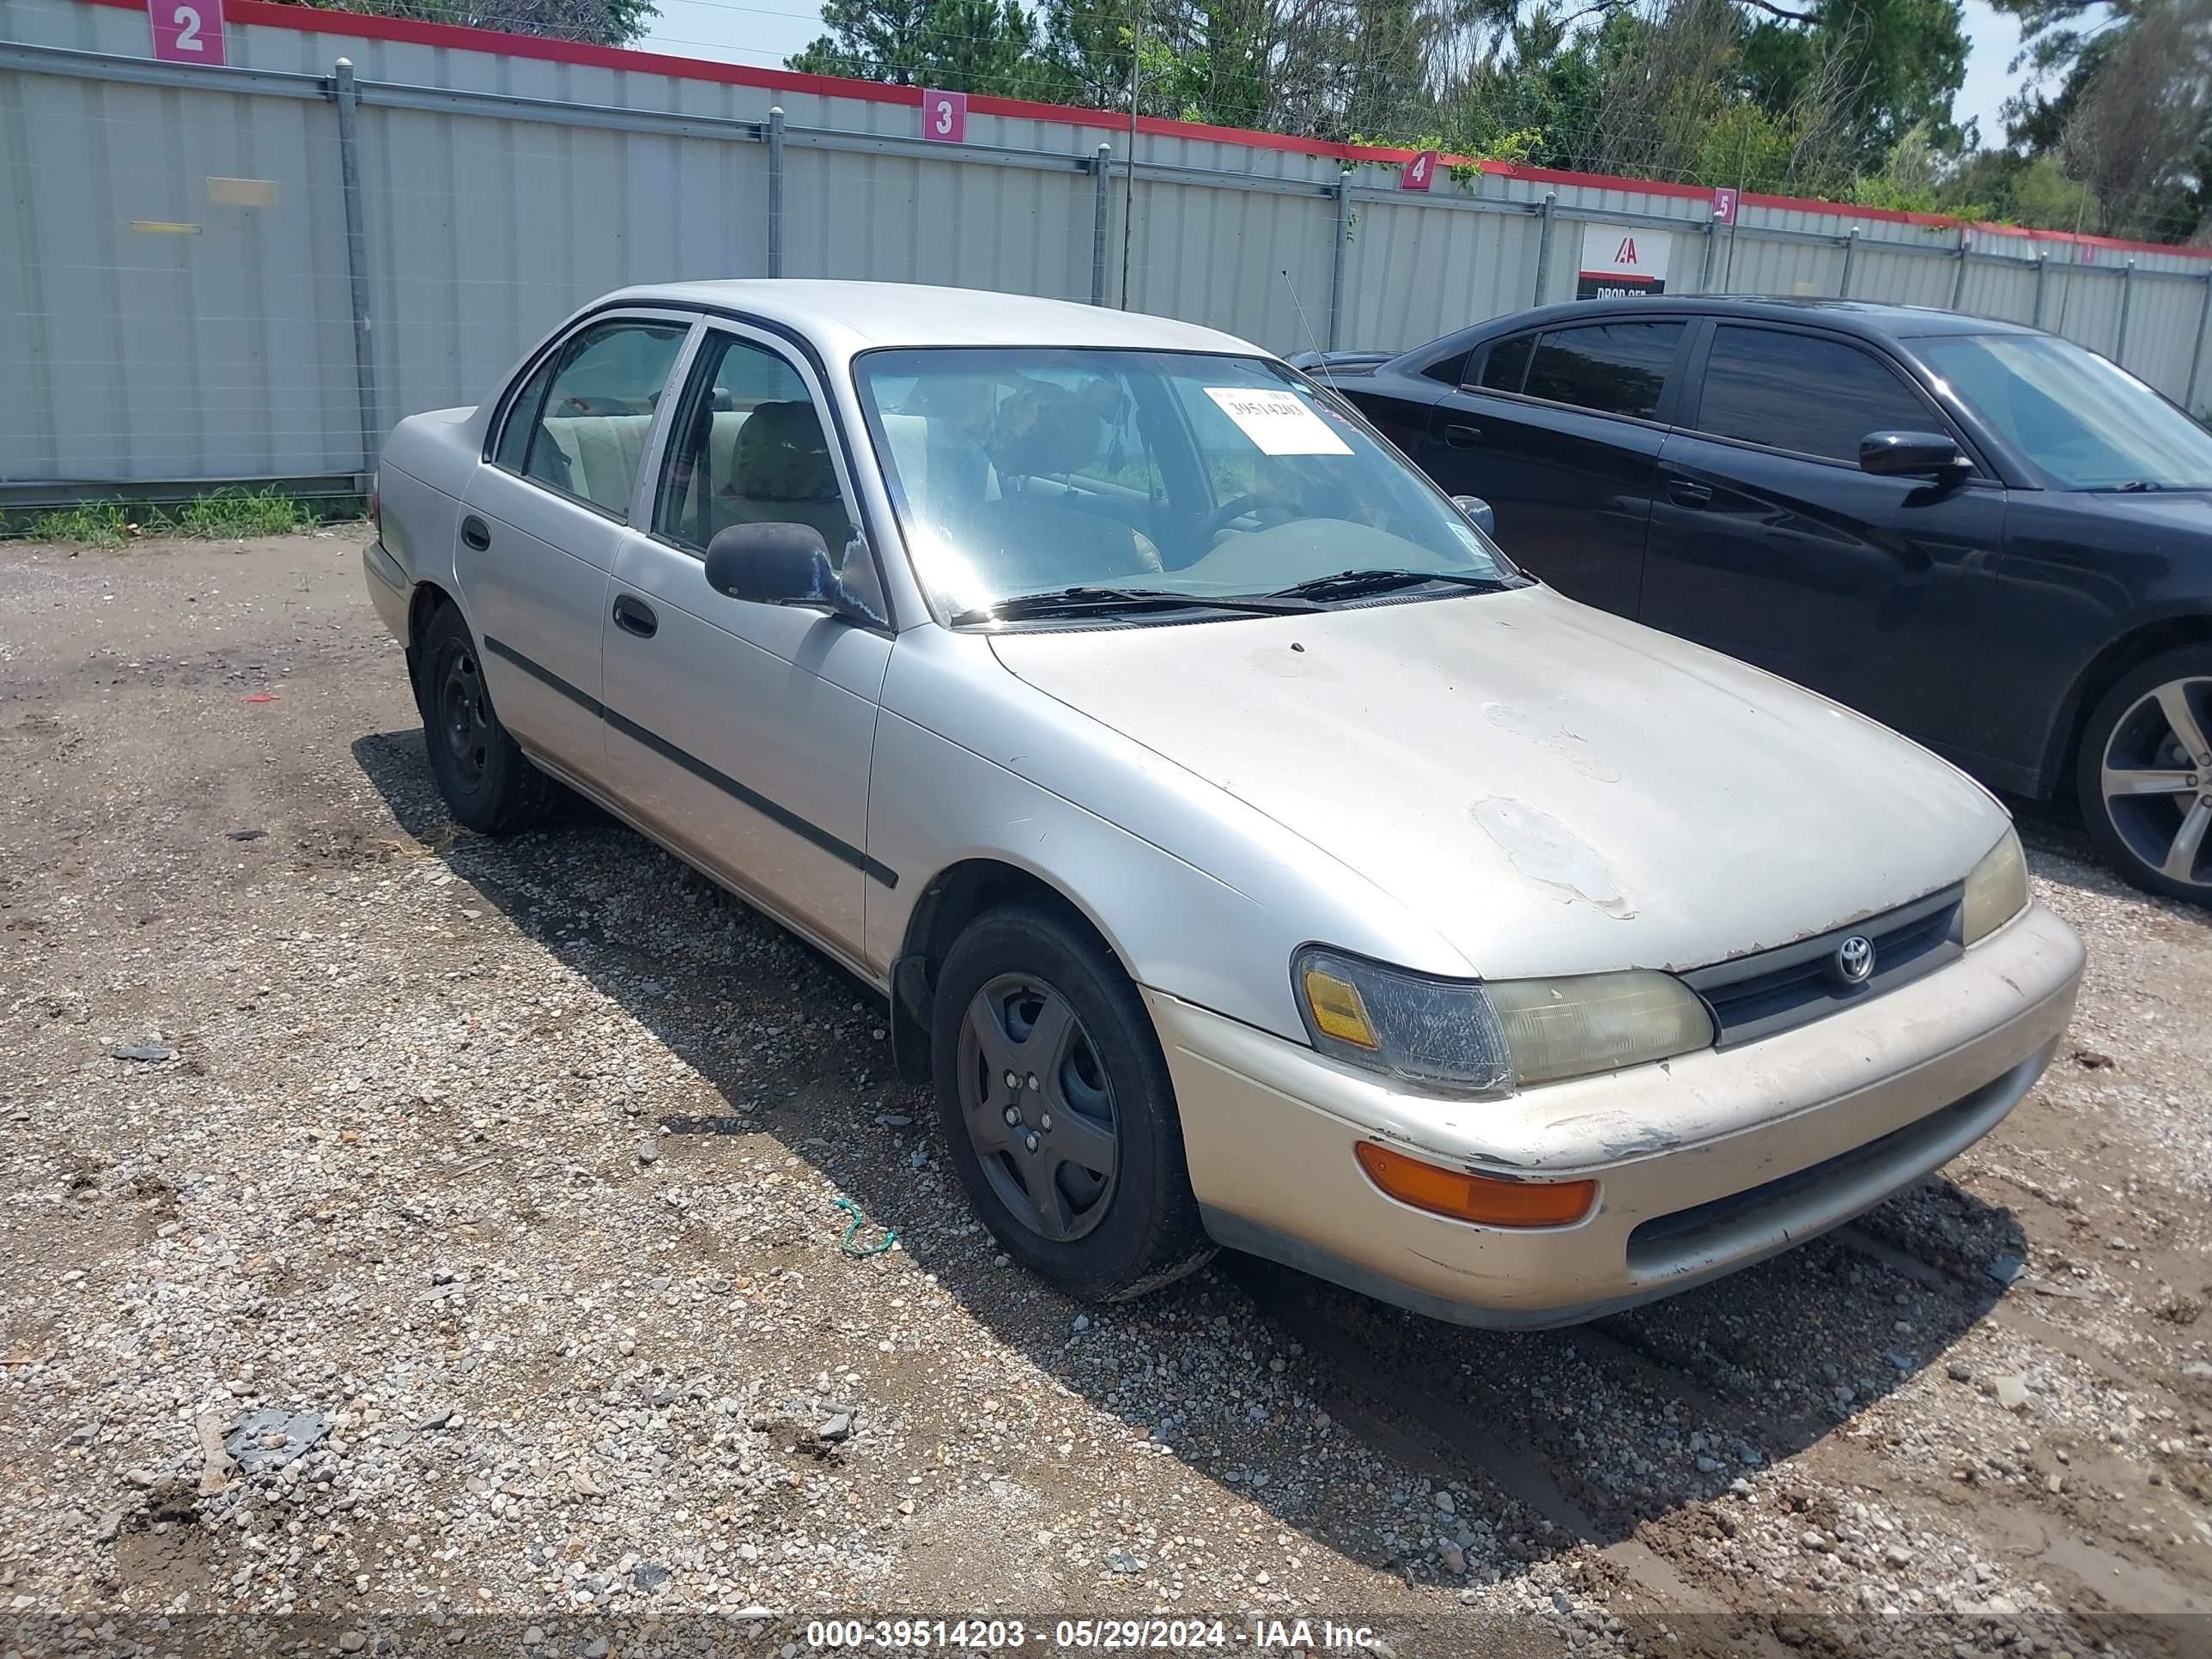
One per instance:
(1560, 431)
(1769, 543)
(543, 519)
(742, 732)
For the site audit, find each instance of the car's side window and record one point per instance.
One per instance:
(1610, 368)
(1505, 365)
(1799, 391)
(522, 416)
(749, 447)
(580, 424)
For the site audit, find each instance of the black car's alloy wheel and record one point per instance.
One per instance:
(2146, 782)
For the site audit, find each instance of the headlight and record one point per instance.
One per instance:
(1997, 889)
(1462, 1038)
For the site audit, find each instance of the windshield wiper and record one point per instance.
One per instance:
(2134, 486)
(1106, 601)
(1351, 584)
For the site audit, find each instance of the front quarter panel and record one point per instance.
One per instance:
(1199, 895)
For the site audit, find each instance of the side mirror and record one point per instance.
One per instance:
(776, 564)
(1478, 513)
(1911, 455)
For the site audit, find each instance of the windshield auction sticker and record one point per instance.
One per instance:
(1278, 422)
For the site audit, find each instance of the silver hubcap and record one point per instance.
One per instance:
(2157, 780)
(1039, 1107)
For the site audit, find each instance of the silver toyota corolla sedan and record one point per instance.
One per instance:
(1250, 854)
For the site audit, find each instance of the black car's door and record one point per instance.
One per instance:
(1559, 430)
(1769, 543)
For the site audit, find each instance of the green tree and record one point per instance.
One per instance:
(603, 23)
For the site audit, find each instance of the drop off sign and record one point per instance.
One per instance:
(1621, 260)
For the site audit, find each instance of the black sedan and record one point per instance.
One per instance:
(1980, 534)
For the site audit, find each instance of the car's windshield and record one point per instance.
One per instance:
(2087, 423)
(1030, 471)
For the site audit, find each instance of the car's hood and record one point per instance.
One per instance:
(2184, 512)
(1556, 790)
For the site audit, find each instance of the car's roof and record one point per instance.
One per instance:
(855, 317)
(1849, 316)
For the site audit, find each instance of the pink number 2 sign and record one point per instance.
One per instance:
(944, 117)
(186, 31)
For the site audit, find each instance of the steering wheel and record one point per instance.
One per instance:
(1235, 509)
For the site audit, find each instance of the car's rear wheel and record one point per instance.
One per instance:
(1058, 1109)
(2145, 774)
(488, 782)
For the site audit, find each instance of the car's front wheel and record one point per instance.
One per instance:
(1058, 1109)
(488, 782)
(2145, 774)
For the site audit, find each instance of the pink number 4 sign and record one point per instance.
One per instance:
(186, 31)
(944, 117)
(1420, 172)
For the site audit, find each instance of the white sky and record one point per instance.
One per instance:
(763, 32)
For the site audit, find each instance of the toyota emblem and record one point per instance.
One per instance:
(1854, 959)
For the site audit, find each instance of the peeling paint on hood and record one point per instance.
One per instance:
(1555, 790)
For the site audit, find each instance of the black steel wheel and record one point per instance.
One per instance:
(1058, 1109)
(488, 782)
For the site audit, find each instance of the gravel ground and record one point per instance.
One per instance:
(410, 1239)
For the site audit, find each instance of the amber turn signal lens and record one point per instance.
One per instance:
(1465, 1197)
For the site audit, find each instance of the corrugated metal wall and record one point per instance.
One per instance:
(175, 302)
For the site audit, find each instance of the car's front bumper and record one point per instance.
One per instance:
(1705, 1164)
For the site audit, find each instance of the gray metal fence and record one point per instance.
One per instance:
(250, 272)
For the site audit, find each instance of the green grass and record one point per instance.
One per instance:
(101, 523)
(226, 514)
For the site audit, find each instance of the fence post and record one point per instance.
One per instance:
(364, 347)
(1336, 269)
(2196, 356)
(1851, 247)
(1958, 276)
(776, 191)
(1101, 209)
(2042, 270)
(1544, 246)
(2120, 336)
(1712, 241)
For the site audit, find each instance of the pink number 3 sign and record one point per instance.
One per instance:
(944, 117)
(187, 31)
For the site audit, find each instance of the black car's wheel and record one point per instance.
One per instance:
(2145, 774)
(489, 783)
(1058, 1109)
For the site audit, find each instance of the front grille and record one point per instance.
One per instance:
(1757, 995)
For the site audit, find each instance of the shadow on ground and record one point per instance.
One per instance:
(1585, 1434)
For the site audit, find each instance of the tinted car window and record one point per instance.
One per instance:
(1615, 369)
(1507, 363)
(1797, 391)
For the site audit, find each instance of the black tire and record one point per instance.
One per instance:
(489, 784)
(1139, 1228)
(2133, 729)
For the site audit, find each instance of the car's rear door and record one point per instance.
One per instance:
(1770, 543)
(1559, 429)
(742, 733)
(544, 517)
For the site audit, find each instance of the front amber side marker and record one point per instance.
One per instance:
(1465, 1197)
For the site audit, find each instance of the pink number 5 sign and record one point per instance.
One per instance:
(187, 31)
(944, 117)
